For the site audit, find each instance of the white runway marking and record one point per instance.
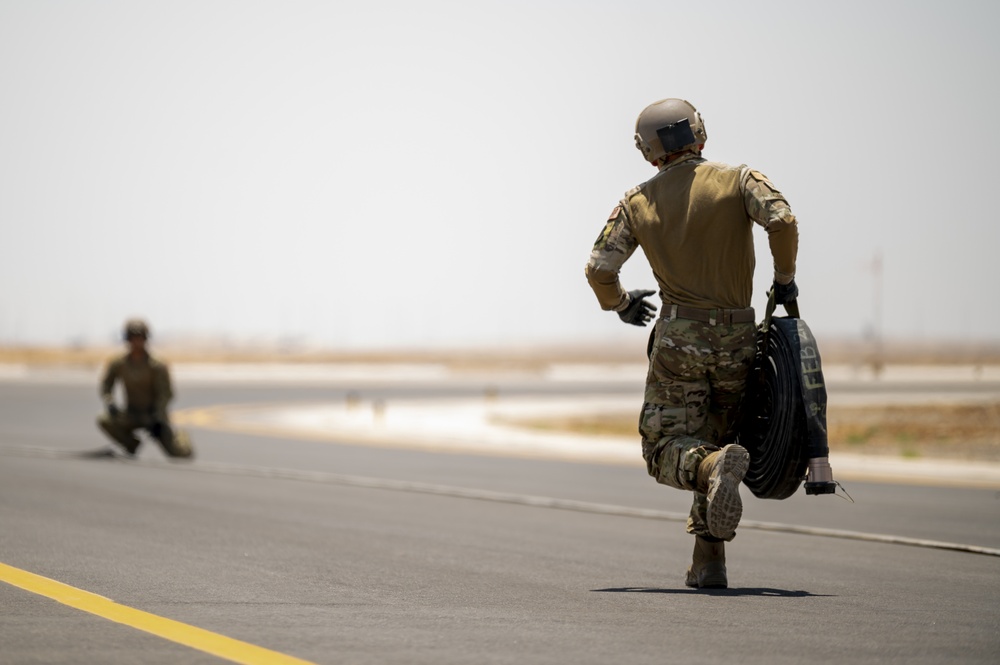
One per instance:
(504, 497)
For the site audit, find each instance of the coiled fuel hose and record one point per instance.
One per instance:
(784, 422)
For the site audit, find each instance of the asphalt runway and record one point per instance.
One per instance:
(270, 549)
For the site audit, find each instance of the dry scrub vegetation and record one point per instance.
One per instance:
(966, 431)
(834, 351)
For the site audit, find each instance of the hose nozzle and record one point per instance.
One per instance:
(820, 477)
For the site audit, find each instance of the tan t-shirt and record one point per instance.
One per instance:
(694, 221)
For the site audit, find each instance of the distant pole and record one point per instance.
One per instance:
(877, 361)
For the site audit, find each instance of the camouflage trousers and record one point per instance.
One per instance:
(122, 428)
(694, 389)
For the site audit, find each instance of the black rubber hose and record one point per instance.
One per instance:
(774, 424)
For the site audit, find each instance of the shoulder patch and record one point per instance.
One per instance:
(602, 239)
(614, 213)
(760, 177)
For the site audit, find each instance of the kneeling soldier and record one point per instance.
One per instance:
(147, 392)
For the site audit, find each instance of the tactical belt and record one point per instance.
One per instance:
(712, 317)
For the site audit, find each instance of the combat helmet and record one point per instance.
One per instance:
(135, 327)
(668, 126)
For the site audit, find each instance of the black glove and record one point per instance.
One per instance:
(639, 312)
(156, 430)
(112, 410)
(785, 293)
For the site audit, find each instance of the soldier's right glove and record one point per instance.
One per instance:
(785, 293)
(639, 312)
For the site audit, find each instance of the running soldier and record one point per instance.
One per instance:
(146, 381)
(694, 222)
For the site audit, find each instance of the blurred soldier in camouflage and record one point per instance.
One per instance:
(694, 222)
(147, 393)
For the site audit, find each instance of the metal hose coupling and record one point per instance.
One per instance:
(820, 477)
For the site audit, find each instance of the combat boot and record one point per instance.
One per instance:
(719, 478)
(708, 569)
(179, 445)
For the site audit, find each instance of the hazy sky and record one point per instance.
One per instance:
(412, 174)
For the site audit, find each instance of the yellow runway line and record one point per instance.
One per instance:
(174, 631)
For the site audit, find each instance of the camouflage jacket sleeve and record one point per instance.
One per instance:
(613, 248)
(768, 207)
(111, 374)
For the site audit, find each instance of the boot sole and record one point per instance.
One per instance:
(725, 507)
